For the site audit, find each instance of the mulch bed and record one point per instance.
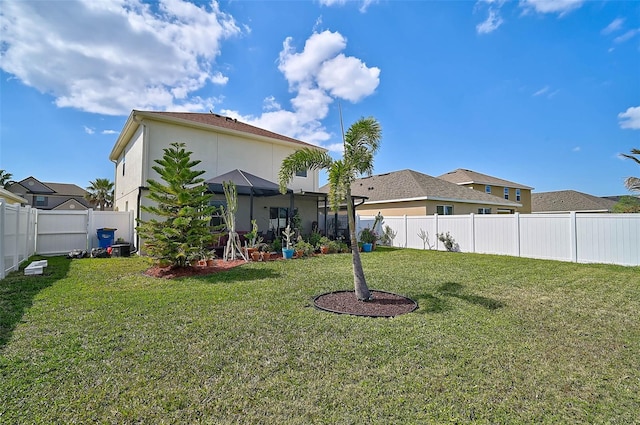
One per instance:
(384, 304)
(175, 272)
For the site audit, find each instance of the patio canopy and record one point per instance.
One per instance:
(246, 184)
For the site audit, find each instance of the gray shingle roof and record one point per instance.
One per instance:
(569, 200)
(211, 119)
(411, 185)
(462, 176)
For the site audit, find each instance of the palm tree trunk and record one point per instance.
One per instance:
(359, 281)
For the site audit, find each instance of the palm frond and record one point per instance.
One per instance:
(303, 159)
(632, 183)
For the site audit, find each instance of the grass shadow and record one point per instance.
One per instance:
(237, 274)
(17, 292)
(454, 289)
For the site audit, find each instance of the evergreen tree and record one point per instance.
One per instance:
(179, 230)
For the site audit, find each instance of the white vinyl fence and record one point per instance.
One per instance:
(576, 237)
(25, 231)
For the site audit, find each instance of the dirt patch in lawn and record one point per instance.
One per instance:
(384, 304)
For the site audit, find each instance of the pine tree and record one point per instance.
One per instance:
(179, 230)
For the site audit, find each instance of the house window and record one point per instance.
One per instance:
(42, 201)
(216, 219)
(506, 193)
(444, 209)
(487, 189)
(518, 195)
(484, 210)
(301, 173)
(278, 219)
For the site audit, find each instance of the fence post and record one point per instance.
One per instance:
(472, 217)
(517, 233)
(573, 242)
(406, 230)
(89, 228)
(435, 223)
(2, 215)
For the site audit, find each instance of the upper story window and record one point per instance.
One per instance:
(42, 201)
(487, 189)
(484, 210)
(506, 193)
(444, 209)
(301, 173)
(518, 195)
(124, 162)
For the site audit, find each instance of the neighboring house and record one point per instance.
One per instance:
(51, 196)
(493, 186)
(12, 198)
(409, 192)
(223, 145)
(569, 200)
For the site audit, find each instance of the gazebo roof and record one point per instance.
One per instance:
(246, 184)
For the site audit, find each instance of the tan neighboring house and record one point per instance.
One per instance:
(411, 193)
(12, 198)
(225, 147)
(51, 196)
(569, 200)
(492, 186)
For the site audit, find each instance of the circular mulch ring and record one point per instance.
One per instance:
(384, 304)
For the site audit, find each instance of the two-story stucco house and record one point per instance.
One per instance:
(51, 196)
(504, 189)
(227, 148)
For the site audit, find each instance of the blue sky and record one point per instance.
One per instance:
(542, 93)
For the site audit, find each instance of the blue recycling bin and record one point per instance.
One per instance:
(106, 237)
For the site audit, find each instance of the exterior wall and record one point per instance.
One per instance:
(220, 153)
(421, 208)
(129, 174)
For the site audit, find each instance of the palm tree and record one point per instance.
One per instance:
(361, 142)
(632, 183)
(5, 179)
(100, 193)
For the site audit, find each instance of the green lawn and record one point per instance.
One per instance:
(495, 340)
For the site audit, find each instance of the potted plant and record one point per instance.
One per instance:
(252, 238)
(211, 258)
(265, 249)
(287, 248)
(367, 237)
(323, 244)
(303, 248)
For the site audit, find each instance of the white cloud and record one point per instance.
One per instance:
(316, 75)
(364, 4)
(492, 23)
(630, 118)
(89, 130)
(614, 26)
(541, 91)
(551, 6)
(109, 57)
(627, 36)
(576, 149)
(109, 132)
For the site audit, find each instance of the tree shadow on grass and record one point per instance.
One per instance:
(238, 274)
(437, 303)
(17, 292)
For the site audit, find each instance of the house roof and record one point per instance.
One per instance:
(569, 200)
(206, 121)
(12, 197)
(407, 185)
(35, 186)
(246, 184)
(463, 176)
